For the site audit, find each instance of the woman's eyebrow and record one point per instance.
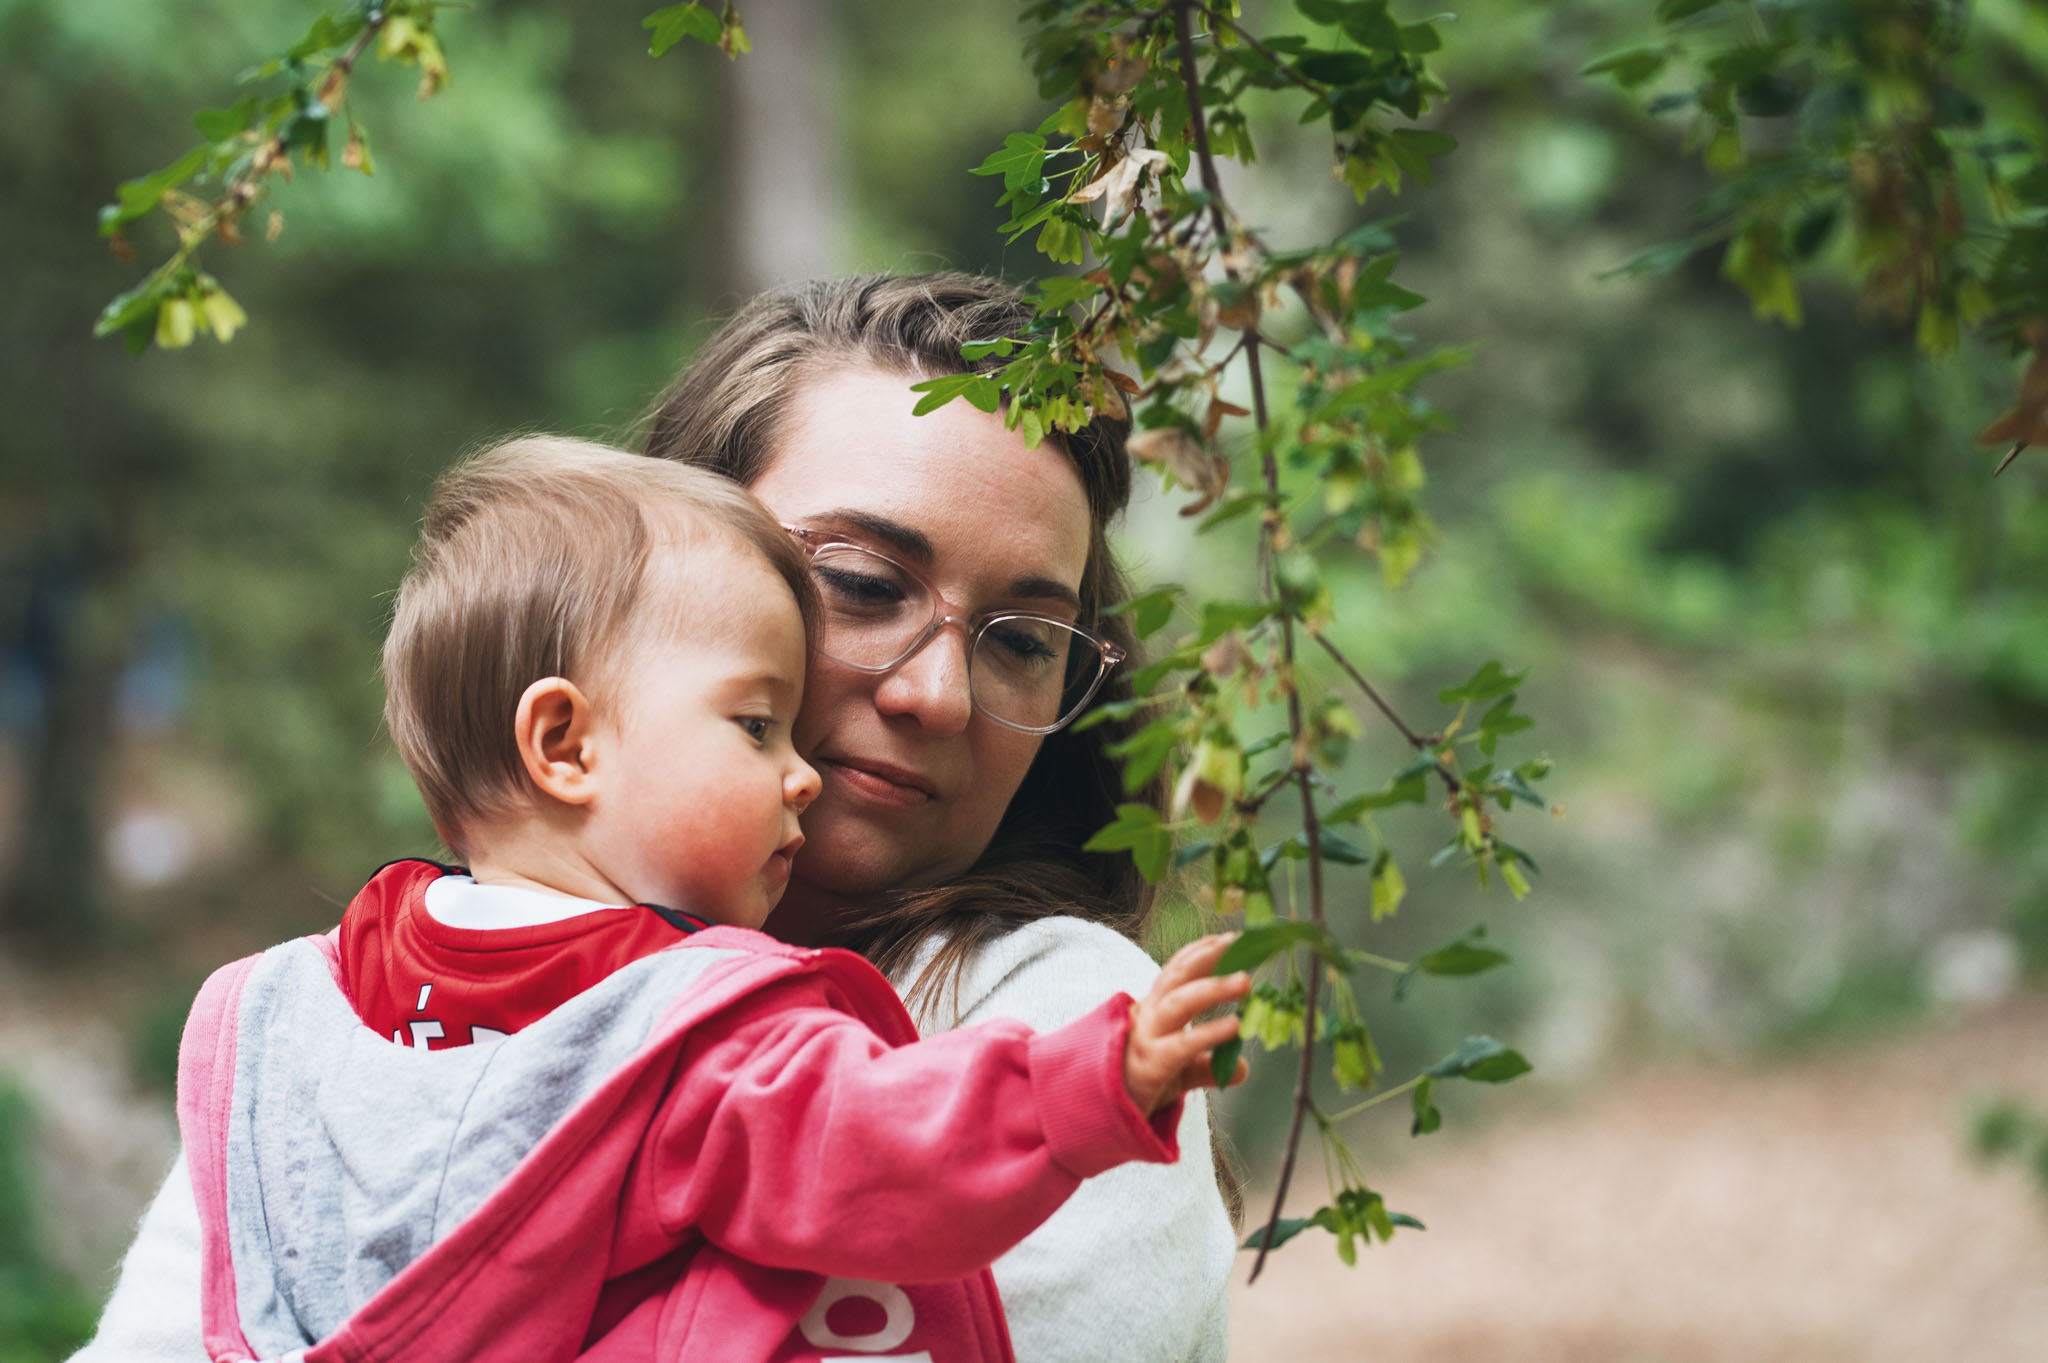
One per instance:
(1047, 588)
(913, 544)
(909, 542)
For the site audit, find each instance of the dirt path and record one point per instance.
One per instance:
(1819, 1210)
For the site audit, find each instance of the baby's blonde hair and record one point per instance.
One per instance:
(532, 562)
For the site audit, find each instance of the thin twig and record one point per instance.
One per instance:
(1251, 804)
(1268, 53)
(1299, 769)
(1395, 1092)
(242, 193)
(1452, 784)
(1415, 740)
(1198, 122)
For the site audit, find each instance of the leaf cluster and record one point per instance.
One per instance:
(208, 192)
(1177, 300)
(1849, 130)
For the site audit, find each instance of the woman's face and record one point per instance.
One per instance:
(915, 779)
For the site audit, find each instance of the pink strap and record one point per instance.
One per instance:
(206, 1090)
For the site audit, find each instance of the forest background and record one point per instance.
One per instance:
(1787, 640)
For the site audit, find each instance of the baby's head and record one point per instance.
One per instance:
(592, 672)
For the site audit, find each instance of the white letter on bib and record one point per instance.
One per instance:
(899, 1319)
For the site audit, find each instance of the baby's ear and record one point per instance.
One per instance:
(554, 729)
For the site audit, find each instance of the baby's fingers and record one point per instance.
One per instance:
(1180, 1006)
(1196, 959)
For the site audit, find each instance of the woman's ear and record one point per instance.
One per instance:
(553, 727)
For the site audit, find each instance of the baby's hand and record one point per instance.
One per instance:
(1163, 1055)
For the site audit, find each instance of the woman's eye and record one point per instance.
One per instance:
(1023, 646)
(856, 588)
(757, 726)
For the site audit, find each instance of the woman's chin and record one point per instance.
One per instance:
(846, 860)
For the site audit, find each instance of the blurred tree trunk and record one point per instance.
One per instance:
(49, 900)
(788, 205)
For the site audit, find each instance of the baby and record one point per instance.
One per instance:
(568, 1103)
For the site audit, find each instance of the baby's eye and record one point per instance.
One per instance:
(757, 726)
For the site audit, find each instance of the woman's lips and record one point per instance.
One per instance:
(879, 782)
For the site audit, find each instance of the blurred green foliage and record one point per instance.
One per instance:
(539, 252)
(2002, 1129)
(42, 1315)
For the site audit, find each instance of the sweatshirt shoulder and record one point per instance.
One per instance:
(1050, 971)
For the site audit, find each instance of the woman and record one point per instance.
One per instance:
(946, 842)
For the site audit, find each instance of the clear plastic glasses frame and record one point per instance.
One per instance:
(869, 622)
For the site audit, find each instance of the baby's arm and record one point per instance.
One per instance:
(794, 1137)
(153, 1315)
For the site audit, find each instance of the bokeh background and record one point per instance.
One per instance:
(1788, 642)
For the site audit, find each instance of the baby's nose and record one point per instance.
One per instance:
(801, 786)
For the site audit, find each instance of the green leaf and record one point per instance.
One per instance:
(1420, 38)
(1149, 611)
(1234, 504)
(1654, 262)
(1413, 148)
(1342, 850)
(1389, 887)
(137, 305)
(328, 32)
(1466, 956)
(1512, 784)
(1223, 1060)
(1020, 160)
(1063, 291)
(1489, 681)
(1671, 11)
(1255, 946)
(1221, 617)
(1287, 1227)
(674, 23)
(142, 194)
(1107, 711)
(218, 125)
(1062, 241)
(1145, 751)
(943, 389)
(1630, 67)
(1481, 1059)
(1427, 1118)
(1139, 831)
(1812, 232)
(1410, 789)
(1506, 851)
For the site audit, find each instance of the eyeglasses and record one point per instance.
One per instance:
(1026, 671)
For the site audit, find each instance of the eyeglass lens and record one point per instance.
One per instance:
(1024, 669)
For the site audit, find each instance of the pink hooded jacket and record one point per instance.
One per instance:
(730, 1150)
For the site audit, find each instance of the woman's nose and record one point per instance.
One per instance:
(931, 685)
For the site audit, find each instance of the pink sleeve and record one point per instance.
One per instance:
(794, 1137)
